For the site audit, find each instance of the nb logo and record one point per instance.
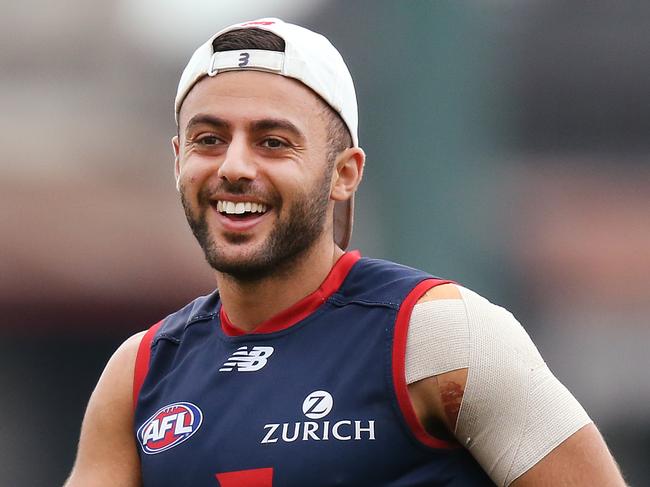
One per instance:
(243, 59)
(244, 360)
(317, 405)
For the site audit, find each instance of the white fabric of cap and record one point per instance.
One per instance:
(272, 61)
(309, 58)
(514, 411)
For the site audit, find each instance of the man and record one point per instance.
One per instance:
(311, 366)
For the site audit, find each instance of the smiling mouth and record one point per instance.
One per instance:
(240, 210)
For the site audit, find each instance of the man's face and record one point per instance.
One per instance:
(252, 171)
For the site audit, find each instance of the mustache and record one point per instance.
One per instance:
(237, 188)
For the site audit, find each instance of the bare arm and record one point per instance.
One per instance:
(107, 454)
(581, 460)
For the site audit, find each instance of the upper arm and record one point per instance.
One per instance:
(437, 397)
(107, 453)
(504, 405)
(581, 460)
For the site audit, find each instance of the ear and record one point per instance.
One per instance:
(348, 172)
(177, 164)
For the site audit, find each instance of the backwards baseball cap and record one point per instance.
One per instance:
(309, 58)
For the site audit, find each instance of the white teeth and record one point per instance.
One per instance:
(239, 208)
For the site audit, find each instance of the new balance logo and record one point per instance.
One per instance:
(247, 361)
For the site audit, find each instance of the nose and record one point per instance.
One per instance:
(238, 162)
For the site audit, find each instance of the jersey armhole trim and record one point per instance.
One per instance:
(142, 361)
(399, 366)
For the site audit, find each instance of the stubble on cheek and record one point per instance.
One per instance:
(196, 217)
(301, 224)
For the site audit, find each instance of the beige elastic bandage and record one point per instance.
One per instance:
(514, 411)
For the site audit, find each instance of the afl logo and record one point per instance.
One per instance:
(169, 426)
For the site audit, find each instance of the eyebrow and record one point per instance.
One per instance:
(257, 125)
(203, 119)
(277, 124)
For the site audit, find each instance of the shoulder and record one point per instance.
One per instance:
(117, 377)
(116, 382)
(385, 282)
(452, 295)
(112, 398)
(107, 453)
(443, 291)
(201, 308)
(454, 312)
(506, 406)
(453, 330)
(127, 351)
(457, 320)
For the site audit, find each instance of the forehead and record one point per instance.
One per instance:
(245, 95)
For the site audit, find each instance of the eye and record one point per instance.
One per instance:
(208, 140)
(273, 143)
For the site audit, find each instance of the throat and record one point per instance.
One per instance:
(249, 304)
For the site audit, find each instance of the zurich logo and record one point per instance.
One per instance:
(169, 426)
(317, 405)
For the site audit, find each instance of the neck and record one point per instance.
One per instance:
(250, 303)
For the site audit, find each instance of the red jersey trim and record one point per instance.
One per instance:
(303, 308)
(142, 361)
(399, 365)
(257, 477)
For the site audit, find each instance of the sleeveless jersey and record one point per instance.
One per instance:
(314, 397)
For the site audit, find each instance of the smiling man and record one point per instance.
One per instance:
(310, 365)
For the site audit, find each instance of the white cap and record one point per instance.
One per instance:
(308, 57)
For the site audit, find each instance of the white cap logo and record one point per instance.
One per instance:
(317, 405)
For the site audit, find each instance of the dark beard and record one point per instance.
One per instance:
(291, 238)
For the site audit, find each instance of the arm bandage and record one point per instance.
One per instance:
(514, 411)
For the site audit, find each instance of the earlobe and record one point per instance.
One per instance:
(177, 166)
(348, 173)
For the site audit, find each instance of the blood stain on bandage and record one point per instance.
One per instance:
(451, 394)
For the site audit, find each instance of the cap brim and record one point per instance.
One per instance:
(343, 215)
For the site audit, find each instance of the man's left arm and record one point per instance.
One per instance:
(581, 458)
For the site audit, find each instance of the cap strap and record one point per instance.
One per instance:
(246, 59)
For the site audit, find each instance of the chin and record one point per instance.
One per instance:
(242, 269)
(237, 255)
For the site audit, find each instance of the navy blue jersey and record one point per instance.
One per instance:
(315, 397)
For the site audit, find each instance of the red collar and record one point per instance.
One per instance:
(304, 307)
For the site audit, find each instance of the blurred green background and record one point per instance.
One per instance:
(507, 149)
